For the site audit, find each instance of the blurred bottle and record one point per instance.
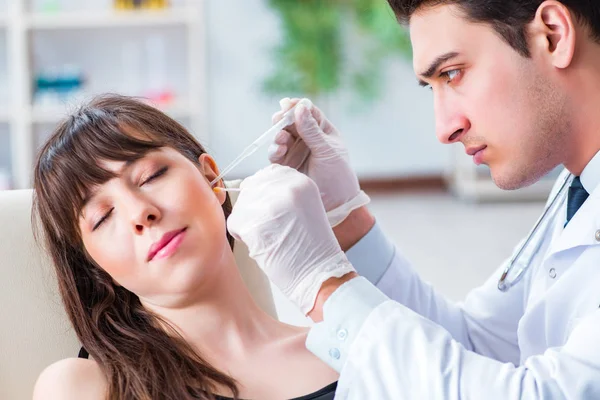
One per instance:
(132, 67)
(158, 89)
(54, 86)
(141, 4)
(123, 4)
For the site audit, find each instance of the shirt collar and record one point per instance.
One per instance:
(590, 176)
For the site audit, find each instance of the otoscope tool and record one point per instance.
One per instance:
(288, 119)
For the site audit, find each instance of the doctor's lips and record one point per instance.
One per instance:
(477, 153)
(167, 245)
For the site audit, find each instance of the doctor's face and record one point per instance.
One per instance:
(506, 110)
(157, 228)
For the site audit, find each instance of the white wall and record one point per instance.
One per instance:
(5, 163)
(392, 138)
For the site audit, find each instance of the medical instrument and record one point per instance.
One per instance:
(226, 189)
(288, 119)
(503, 283)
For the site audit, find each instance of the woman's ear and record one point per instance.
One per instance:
(209, 169)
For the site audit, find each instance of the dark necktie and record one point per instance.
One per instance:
(577, 196)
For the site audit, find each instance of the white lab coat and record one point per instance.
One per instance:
(539, 340)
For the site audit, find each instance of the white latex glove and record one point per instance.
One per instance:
(327, 164)
(280, 217)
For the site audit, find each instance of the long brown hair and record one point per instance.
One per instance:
(140, 358)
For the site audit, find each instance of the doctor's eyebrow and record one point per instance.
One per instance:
(435, 65)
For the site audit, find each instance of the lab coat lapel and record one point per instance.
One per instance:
(584, 227)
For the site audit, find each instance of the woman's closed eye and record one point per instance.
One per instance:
(151, 178)
(102, 219)
(155, 175)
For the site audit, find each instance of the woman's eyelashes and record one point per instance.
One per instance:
(155, 175)
(151, 178)
(104, 218)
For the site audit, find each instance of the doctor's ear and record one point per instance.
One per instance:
(553, 33)
(208, 167)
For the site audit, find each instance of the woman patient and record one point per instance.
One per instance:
(147, 273)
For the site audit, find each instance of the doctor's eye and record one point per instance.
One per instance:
(450, 75)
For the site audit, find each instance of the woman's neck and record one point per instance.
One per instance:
(223, 318)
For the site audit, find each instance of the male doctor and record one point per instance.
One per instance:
(517, 83)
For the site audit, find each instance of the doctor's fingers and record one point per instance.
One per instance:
(283, 141)
(326, 126)
(277, 188)
(285, 104)
(283, 136)
(294, 155)
(324, 123)
(268, 180)
(277, 153)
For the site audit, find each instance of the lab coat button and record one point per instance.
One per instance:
(342, 334)
(597, 235)
(552, 273)
(334, 353)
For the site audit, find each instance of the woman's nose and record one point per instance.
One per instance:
(145, 222)
(144, 213)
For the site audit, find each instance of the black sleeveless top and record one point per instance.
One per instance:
(327, 393)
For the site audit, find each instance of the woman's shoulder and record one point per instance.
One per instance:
(71, 378)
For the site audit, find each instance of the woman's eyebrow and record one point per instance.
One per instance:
(87, 199)
(93, 192)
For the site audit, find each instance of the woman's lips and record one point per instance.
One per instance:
(167, 245)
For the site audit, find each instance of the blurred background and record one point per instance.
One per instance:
(220, 68)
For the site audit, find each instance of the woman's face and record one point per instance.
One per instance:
(158, 227)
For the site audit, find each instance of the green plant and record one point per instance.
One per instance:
(310, 59)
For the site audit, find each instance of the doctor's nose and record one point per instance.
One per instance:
(450, 124)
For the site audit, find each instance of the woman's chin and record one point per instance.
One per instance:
(195, 271)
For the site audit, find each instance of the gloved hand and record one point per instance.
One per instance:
(280, 217)
(327, 164)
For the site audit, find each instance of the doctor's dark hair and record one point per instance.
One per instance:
(140, 354)
(508, 18)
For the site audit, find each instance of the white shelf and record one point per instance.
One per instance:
(108, 19)
(21, 25)
(53, 114)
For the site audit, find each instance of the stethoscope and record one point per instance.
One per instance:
(503, 283)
